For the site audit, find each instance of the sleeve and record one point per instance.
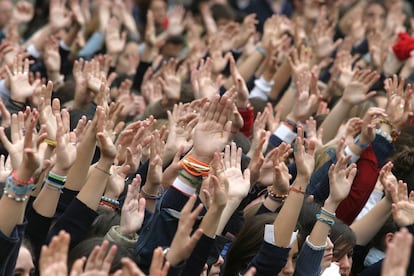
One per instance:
(270, 260)
(195, 264)
(37, 228)
(76, 220)
(114, 235)
(362, 187)
(93, 45)
(373, 199)
(139, 75)
(309, 259)
(9, 249)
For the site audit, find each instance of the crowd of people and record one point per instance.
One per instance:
(211, 137)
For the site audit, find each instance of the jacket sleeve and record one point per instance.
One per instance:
(270, 260)
(309, 259)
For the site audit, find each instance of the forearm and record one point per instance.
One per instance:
(366, 228)
(228, 211)
(92, 191)
(280, 79)
(334, 120)
(321, 230)
(39, 38)
(79, 171)
(71, 35)
(211, 221)
(286, 103)
(286, 221)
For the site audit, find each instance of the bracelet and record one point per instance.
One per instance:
(102, 170)
(276, 196)
(149, 196)
(385, 122)
(275, 199)
(19, 181)
(195, 167)
(57, 177)
(110, 200)
(328, 214)
(53, 185)
(50, 142)
(296, 190)
(108, 204)
(17, 188)
(15, 198)
(261, 50)
(191, 180)
(329, 222)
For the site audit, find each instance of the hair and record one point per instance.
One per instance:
(379, 239)
(220, 11)
(403, 167)
(343, 238)
(250, 238)
(85, 247)
(247, 243)
(103, 223)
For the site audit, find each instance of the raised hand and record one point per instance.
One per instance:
(133, 210)
(213, 126)
(341, 177)
(304, 158)
(397, 257)
(239, 182)
(171, 81)
(369, 123)
(114, 40)
(399, 102)
(201, 79)
(281, 175)
(403, 204)
(98, 263)
(322, 37)
(356, 91)
(314, 134)
(53, 257)
(378, 50)
(18, 76)
(59, 17)
(107, 147)
(306, 100)
(300, 61)
(183, 244)
(158, 266)
(66, 144)
(241, 87)
(176, 21)
(5, 115)
(388, 179)
(52, 57)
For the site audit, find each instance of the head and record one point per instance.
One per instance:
(374, 15)
(159, 9)
(124, 60)
(172, 46)
(85, 247)
(24, 263)
(247, 243)
(103, 223)
(344, 241)
(403, 166)
(222, 14)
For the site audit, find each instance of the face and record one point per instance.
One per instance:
(328, 255)
(216, 267)
(159, 9)
(124, 62)
(344, 261)
(290, 265)
(374, 17)
(24, 264)
(171, 50)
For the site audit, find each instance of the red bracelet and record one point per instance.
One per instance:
(296, 190)
(22, 182)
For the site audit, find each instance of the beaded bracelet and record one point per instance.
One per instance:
(276, 197)
(110, 200)
(329, 222)
(15, 198)
(191, 180)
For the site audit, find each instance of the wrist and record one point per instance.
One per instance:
(59, 171)
(105, 163)
(330, 205)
